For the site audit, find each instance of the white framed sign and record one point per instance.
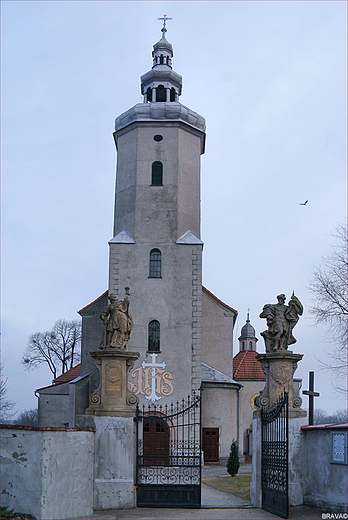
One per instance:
(339, 447)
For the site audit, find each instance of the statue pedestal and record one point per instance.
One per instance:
(113, 398)
(279, 368)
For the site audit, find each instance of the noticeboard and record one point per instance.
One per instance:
(339, 447)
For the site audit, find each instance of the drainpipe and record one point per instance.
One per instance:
(238, 406)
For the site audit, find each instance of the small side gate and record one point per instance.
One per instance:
(274, 476)
(169, 454)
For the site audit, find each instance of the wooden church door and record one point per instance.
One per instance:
(156, 442)
(211, 444)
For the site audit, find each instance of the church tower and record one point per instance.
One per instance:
(156, 250)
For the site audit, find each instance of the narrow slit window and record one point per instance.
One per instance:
(154, 336)
(157, 174)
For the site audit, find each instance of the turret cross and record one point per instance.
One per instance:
(164, 18)
(311, 395)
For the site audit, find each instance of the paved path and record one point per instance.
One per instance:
(216, 505)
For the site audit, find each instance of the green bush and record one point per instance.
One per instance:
(233, 460)
(9, 513)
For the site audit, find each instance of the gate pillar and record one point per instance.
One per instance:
(279, 368)
(114, 407)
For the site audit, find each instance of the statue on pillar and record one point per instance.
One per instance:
(118, 322)
(281, 319)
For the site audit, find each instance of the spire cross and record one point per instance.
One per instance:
(164, 18)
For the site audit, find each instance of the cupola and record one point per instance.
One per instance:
(161, 84)
(247, 338)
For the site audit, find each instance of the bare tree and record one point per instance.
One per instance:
(322, 417)
(330, 306)
(28, 418)
(59, 347)
(6, 405)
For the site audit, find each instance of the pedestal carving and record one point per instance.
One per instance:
(113, 396)
(279, 368)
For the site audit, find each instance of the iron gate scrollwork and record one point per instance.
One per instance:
(169, 454)
(274, 476)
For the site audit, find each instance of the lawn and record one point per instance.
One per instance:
(238, 486)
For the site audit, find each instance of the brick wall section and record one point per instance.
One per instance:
(196, 317)
(44, 428)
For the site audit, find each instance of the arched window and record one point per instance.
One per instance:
(149, 94)
(157, 174)
(172, 94)
(155, 263)
(243, 345)
(250, 345)
(160, 93)
(154, 336)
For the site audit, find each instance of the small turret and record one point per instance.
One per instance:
(247, 338)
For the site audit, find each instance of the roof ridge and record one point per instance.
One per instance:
(218, 300)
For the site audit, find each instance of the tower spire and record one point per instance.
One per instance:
(165, 18)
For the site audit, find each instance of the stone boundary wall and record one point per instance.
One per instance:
(46, 471)
(326, 482)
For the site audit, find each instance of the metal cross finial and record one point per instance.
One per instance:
(164, 18)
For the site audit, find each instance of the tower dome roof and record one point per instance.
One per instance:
(163, 44)
(247, 330)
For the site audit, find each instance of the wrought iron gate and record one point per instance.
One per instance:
(274, 475)
(169, 454)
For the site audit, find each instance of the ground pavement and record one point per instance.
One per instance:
(216, 505)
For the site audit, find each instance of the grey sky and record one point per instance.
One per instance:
(270, 80)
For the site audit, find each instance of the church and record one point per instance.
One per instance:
(182, 331)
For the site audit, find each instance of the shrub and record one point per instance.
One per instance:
(233, 460)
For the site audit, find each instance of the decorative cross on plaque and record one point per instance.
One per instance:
(164, 18)
(153, 396)
(311, 395)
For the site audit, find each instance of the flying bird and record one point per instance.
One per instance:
(303, 203)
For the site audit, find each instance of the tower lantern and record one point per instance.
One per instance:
(161, 84)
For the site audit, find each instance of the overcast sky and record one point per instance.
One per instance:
(270, 80)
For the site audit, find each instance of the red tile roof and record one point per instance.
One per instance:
(245, 366)
(89, 305)
(69, 375)
(219, 301)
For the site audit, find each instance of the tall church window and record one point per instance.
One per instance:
(250, 345)
(243, 346)
(157, 174)
(172, 94)
(155, 263)
(160, 93)
(154, 336)
(149, 94)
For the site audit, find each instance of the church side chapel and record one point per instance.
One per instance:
(156, 323)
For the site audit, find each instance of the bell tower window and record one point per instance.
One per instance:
(149, 94)
(155, 263)
(160, 93)
(157, 174)
(172, 94)
(154, 336)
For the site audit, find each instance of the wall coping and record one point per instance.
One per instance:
(332, 426)
(45, 428)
